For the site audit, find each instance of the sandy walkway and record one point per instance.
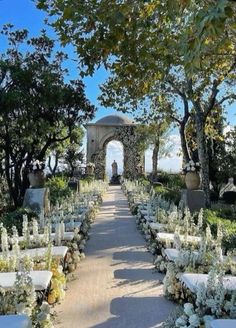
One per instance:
(116, 286)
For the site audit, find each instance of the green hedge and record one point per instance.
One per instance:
(171, 180)
(15, 218)
(168, 194)
(144, 181)
(59, 189)
(229, 228)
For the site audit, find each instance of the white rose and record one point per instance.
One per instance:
(188, 309)
(194, 320)
(207, 320)
(45, 307)
(28, 311)
(180, 322)
(20, 307)
(42, 316)
(170, 290)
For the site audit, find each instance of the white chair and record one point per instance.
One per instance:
(57, 251)
(164, 236)
(192, 281)
(40, 279)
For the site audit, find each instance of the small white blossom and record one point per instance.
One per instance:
(188, 309)
(194, 320)
(180, 322)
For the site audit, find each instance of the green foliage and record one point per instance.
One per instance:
(150, 49)
(59, 189)
(222, 157)
(225, 211)
(229, 197)
(155, 132)
(4, 195)
(39, 110)
(87, 179)
(173, 181)
(212, 32)
(228, 227)
(15, 218)
(144, 181)
(169, 194)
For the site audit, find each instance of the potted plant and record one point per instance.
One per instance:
(192, 177)
(36, 174)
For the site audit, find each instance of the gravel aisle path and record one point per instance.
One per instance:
(116, 285)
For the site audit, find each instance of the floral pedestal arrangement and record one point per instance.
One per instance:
(193, 197)
(36, 179)
(192, 180)
(36, 175)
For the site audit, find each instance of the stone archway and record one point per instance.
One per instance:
(114, 127)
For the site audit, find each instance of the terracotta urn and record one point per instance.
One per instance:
(36, 179)
(192, 180)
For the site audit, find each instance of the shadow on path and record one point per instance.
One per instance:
(137, 312)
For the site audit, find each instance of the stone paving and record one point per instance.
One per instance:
(116, 286)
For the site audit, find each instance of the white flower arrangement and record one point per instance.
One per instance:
(4, 240)
(25, 297)
(211, 301)
(191, 166)
(44, 316)
(25, 231)
(189, 319)
(58, 234)
(36, 166)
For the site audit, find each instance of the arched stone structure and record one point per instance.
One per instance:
(113, 127)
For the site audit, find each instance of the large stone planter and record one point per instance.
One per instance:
(36, 179)
(192, 180)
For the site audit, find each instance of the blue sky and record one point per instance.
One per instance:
(23, 14)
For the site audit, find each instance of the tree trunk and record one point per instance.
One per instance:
(18, 185)
(183, 141)
(203, 155)
(72, 169)
(155, 153)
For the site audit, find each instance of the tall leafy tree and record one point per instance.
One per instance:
(155, 135)
(143, 44)
(38, 109)
(211, 28)
(67, 153)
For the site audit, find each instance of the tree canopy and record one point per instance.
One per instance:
(153, 49)
(38, 109)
